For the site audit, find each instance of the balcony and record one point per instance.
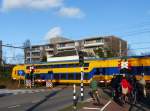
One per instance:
(33, 51)
(93, 44)
(66, 47)
(49, 49)
(37, 56)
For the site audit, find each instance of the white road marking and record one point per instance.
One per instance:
(105, 105)
(14, 106)
(89, 100)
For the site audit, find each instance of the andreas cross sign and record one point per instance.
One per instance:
(124, 64)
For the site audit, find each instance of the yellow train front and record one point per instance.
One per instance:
(70, 71)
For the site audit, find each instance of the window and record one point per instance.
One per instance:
(56, 76)
(86, 76)
(71, 76)
(78, 76)
(62, 45)
(86, 64)
(58, 66)
(63, 76)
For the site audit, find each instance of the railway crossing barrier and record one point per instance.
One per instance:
(49, 84)
(28, 83)
(82, 87)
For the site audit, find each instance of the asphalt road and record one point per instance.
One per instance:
(58, 98)
(51, 100)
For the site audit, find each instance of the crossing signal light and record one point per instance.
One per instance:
(81, 58)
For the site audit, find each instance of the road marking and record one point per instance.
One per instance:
(89, 100)
(91, 108)
(105, 105)
(14, 106)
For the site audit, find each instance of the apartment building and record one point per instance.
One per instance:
(114, 44)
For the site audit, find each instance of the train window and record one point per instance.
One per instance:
(74, 75)
(86, 64)
(70, 65)
(66, 75)
(67, 65)
(147, 70)
(74, 65)
(62, 65)
(86, 76)
(59, 76)
(37, 76)
(42, 76)
(63, 76)
(71, 76)
(78, 76)
(56, 76)
(58, 66)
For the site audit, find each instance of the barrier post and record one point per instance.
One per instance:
(82, 85)
(74, 98)
(32, 83)
(19, 81)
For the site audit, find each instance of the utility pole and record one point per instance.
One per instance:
(30, 53)
(10, 46)
(1, 52)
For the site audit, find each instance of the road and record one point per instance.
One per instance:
(48, 100)
(58, 98)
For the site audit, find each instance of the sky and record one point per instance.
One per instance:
(39, 20)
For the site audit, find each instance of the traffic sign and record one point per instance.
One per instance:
(20, 72)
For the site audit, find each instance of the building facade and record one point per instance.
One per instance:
(37, 52)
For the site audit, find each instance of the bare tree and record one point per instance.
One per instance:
(27, 45)
(130, 52)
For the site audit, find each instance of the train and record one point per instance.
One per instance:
(69, 71)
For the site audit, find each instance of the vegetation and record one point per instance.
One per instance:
(44, 58)
(5, 77)
(104, 53)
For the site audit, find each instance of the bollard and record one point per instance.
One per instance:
(74, 97)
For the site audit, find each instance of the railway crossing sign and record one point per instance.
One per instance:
(124, 64)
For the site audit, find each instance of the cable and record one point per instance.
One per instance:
(12, 46)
